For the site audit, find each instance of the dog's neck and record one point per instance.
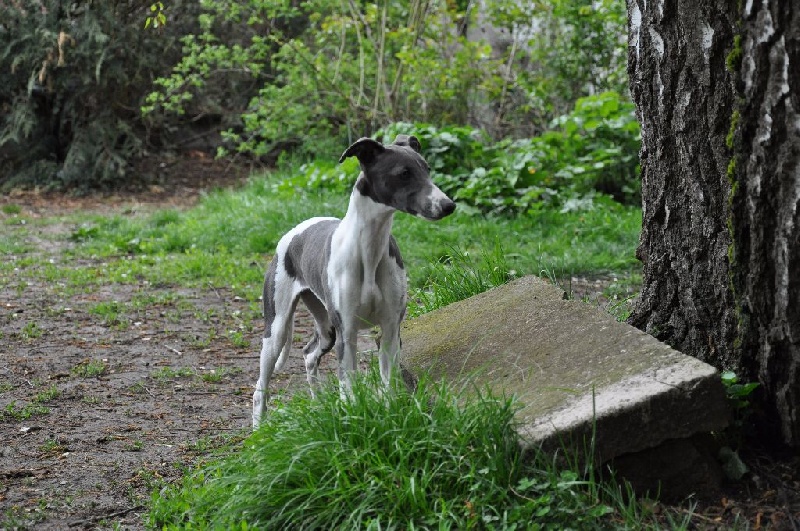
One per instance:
(364, 235)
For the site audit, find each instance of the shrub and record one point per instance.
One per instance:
(333, 70)
(576, 48)
(594, 149)
(330, 71)
(72, 79)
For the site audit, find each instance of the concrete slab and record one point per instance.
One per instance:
(572, 367)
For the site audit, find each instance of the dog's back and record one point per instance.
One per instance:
(299, 260)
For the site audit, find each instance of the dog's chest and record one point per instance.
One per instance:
(371, 293)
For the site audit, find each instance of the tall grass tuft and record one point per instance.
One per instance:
(459, 276)
(432, 458)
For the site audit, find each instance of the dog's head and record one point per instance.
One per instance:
(396, 175)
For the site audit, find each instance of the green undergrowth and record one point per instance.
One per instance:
(432, 458)
(227, 239)
(458, 276)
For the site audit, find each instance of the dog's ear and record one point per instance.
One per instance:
(410, 141)
(366, 149)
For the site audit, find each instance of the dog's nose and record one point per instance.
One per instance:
(448, 208)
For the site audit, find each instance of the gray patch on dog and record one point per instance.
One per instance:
(288, 265)
(304, 252)
(363, 187)
(399, 178)
(332, 334)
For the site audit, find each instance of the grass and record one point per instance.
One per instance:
(25, 412)
(47, 395)
(51, 446)
(134, 446)
(10, 245)
(111, 313)
(216, 375)
(433, 458)
(227, 238)
(621, 295)
(459, 276)
(238, 339)
(31, 330)
(90, 369)
(170, 373)
(165, 374)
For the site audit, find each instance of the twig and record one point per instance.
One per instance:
(176, 351)
(83, 523)
(214, 289)
(693, 514)
(506, 80)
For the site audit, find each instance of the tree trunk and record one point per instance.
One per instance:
(720, 242)
(766, 207)
(684, 98)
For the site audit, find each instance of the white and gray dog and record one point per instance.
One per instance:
(348, 272)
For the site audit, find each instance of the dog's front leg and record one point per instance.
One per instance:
(346, 350)
(389, 351)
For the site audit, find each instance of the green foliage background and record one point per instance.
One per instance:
(539, 118)
(73, 78)
(587, 154)
(335, 71)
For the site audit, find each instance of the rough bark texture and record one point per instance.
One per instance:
(720, 243)
(684, 97)
(766, 217)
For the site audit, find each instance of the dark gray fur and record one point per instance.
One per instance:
(299, 258)
(400, 180)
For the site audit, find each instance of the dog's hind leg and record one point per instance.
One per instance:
(322, 342)
(287, 345)
(280, 301)
(267, 366)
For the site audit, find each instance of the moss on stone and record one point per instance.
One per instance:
(523, 339)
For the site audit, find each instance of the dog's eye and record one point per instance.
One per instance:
(406, 175)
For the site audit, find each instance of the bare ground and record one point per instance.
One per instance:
(85, 451)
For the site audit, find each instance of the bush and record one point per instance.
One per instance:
(333, 71)
(592, 150)
(72, 78)
(576, 48)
